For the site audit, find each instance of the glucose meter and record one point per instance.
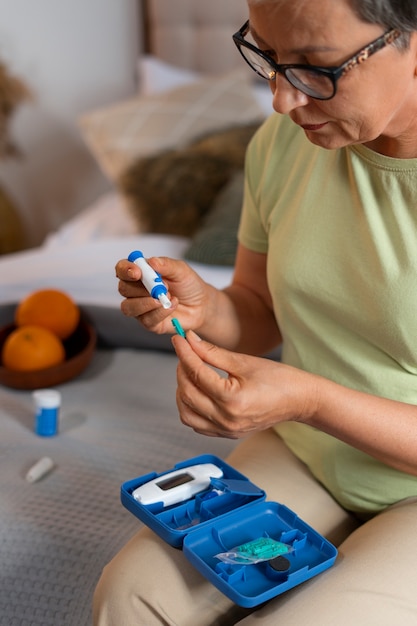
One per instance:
(178, 485)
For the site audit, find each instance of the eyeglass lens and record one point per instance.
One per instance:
(309, 82)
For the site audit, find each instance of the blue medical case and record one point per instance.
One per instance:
(209, 524)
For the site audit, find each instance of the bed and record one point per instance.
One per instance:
(118, 418)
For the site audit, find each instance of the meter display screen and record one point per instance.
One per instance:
(175, 481)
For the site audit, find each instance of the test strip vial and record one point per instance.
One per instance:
(47, 405)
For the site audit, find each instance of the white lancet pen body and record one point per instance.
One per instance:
(151, 279)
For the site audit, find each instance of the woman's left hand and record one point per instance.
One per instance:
(249, 394)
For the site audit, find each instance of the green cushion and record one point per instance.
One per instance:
(215, 242)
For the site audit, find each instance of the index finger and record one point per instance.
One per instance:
(126, 270)
(197, 371)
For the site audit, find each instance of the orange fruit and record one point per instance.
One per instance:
(51, 309)
(31, 348)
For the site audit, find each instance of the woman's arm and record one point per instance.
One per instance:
(257, 394)
(385, 429)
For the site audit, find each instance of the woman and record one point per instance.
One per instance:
(326, 264)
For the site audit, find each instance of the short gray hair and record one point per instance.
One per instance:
(400, 14)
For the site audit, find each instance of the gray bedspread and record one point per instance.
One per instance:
(118, 420)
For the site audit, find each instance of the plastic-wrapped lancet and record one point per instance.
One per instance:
(256, 551)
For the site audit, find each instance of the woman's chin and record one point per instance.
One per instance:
(327, 141)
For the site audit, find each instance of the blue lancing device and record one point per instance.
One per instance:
(151, 279)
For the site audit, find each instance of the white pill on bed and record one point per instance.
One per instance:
(40, 469)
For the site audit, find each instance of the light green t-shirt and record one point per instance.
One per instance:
(340, 231)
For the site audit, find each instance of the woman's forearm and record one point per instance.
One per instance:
(385, 429)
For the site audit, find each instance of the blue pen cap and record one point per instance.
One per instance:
(159, 290)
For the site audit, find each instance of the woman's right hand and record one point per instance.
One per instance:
(188, 293)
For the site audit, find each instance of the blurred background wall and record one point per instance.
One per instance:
(74, 55)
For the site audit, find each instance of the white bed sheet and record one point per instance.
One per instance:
(86, 271)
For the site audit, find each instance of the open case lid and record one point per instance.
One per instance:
(230, 492)
(229, 513)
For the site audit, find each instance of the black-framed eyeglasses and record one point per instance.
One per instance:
(314, 81)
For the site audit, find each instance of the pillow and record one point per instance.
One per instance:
(107, 217)
(156, 76)
(172, 191)
(149, 124)
(215, 243)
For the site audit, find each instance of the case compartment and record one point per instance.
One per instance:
(250, 585)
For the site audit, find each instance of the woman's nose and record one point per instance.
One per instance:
(285, 97)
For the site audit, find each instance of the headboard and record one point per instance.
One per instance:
(194, 34)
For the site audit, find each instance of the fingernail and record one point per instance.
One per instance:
(196, 337)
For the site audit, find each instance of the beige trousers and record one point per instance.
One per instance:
(374, 580)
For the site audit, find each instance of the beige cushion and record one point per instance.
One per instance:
(145, 125)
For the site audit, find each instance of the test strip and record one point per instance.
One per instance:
(179, 329)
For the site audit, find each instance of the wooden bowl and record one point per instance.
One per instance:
(79, 349)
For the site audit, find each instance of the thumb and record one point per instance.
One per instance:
(170, 269)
